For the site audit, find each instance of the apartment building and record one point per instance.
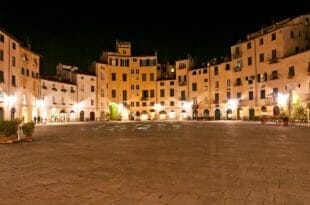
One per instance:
(19, 84)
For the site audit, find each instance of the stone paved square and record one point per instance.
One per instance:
(158, 163)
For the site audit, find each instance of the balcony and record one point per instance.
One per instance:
(54, 89)
(44, 87)
(274, 77)
(144, 98)
(182, 98)
(182, 83)
(290, 75)
(237, 69)
(72, 91)
(63, 90)
(237, 55)
(238, 83)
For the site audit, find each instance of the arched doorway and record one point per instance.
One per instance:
(63, 116)
(13, 110)
(92, 116)
(162, 115)
(1, 114)
(217, 114)
(264, 110)
(206, 113)
(82, 116)
(195, 114)
(239, 113)
(251, 113)
(183, 115)
(72, 115)
(229, 114)
(276, 111)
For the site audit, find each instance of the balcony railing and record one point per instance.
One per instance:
(54, 89)
(63, 90)
(182, 83)
(144, 98)
(238, 83)
(183, 98)
(273, 60)
(237, 69)
(237, 55)
(274, 77)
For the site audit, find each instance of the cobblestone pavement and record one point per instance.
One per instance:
(171, 163)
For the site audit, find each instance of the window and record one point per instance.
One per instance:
(205, 70)
(216, 98)
(124, 62)
(291, 71)
(27, 72)
(132, 71)
(124, 77)
(228, 95)
(205, 80)
(182, 65)
(13, 61)
(261, 57)
(162, 93)
(137, 104)
(33, 74)
(274, 54)
(13, 80)
(249, 61)
(194, 86)
(152, 77)
(274, 75)
(249, 45)
(91, 102)
(102, 75)
(134, 60)
(132, 87)
(124, 95)
(228, 83)
(145, 94)
(239, 96)
(162, 83)
(152, 93)
(1, 76)
(183, 97)
(172, 92)
(1, 55)
(216, 70)
(113, 93)
(216, 84)
(171, 103)
(113, 76)
(261, 41)
(101, 92)
(162, 103)
(292, 34)
(137, 87)
(262, 94)
(273, 36)
(92, 88)
(2, 38)
(132, 104)
(227, 66)
(171, 82)
(14, 46)
(250, 95)
(143, 77)
(194, 73)
(137, 71)
(144, 104)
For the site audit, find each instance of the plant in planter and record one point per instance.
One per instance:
(284, 117)
(8, 130)
(28, 129)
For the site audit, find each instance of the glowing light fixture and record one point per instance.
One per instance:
(282, 99)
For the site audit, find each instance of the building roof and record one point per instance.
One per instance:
(8, 34)
(56, 80)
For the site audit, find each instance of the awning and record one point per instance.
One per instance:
(162, 112)
(62, 111)
(144, 112)
(152, 110)
(183, 111)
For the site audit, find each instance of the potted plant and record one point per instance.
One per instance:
(28, 129)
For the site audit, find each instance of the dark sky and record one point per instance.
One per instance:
(75, 34)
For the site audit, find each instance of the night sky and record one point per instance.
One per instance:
(76, 34)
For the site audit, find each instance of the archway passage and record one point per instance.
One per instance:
(82, 116)
(276, 111)
(217, 114)
(195, 114)
(92, 116)
(229, 114)
(206, 113)
(239, 113)
(1, 114)
(251, 114)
